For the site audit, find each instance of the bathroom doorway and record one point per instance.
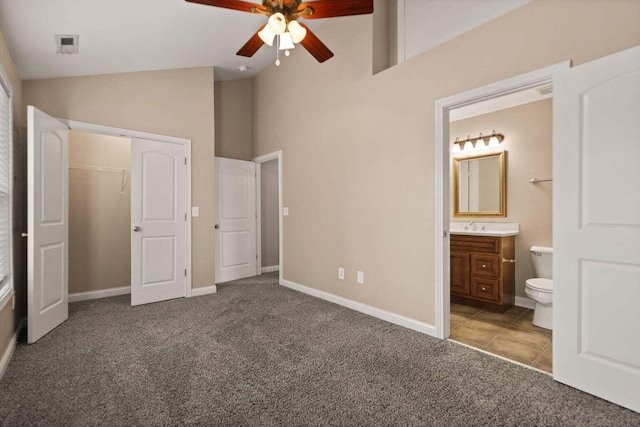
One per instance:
(503, 153)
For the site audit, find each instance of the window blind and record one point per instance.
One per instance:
(5, 182)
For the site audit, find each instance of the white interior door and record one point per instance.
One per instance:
(48, 228)
(235, 219)
(596, 158)
(158, 221)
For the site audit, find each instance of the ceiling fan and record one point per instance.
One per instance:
(283, 22)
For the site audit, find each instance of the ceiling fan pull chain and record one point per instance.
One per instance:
(277, 51)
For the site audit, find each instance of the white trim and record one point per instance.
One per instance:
(525, 302)
(401, 55)
(443, 207)
(102, 293)
(205, 290)
(9, 286)
(363, 308)
(261, 159)
(8, 353)
(270, 269)
(128, 133)
(258, 218)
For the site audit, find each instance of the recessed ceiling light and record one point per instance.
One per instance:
(243, 68)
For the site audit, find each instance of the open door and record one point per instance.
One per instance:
(235, 219)
(158, 221)
(596, 226)
(48, 228)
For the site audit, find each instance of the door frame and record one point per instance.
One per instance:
(276, 155)
(128, 133)
(518, 83)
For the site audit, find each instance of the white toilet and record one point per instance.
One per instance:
(540, 289)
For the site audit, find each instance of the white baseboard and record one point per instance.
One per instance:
(206, 290)
(6, 357)
(525, 302)
(364, 308)
(271, 269)
(102, 293)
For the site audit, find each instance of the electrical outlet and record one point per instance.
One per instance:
(285, 211)
(340, 273)
(361, 277)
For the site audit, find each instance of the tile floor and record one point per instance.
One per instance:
(510, 334)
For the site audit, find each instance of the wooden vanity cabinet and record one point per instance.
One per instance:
(483, 271)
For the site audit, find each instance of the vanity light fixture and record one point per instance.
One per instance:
(480, 142)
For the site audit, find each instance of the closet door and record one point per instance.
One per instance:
(158, 221)
(48, 227)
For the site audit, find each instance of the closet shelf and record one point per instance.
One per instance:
(99, 169)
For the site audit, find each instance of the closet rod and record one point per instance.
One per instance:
(99, 168)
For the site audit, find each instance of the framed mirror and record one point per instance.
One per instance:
(479, 185)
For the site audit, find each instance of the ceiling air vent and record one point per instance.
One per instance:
(67, 44)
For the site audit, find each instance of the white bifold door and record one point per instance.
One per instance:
(48, 228)
(235, 219)
(158, 221)
(596, 227)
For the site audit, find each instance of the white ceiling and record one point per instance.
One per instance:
(118, 36)
(131, 35)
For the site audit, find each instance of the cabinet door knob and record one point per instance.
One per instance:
(484, 289)
(484, 265)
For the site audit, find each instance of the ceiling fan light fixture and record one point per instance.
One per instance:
(285, 42)
(277, 23)
(298, 32)
(267, 35)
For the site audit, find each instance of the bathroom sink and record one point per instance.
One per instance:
(494, 233)
(495, 229)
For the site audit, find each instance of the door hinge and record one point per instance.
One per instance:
(185, 160)
(185, 272)
(185, 216)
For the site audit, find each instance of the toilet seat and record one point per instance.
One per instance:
(540, 285)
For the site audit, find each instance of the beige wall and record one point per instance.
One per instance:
(99, 212)
(8, 317)
(269, 221)
(172, 102)
(233, 105)
(359, 168)
(527, 130)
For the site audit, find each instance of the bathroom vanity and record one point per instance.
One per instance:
(483, 268)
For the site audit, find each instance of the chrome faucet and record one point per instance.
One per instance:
(471, 223)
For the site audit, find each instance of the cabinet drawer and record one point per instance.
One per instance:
(485, 265)
(484, 244)
(486, 289)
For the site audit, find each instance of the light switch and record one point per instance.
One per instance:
(195, 211)
(285, 211)
(340, 273)
(361, 277)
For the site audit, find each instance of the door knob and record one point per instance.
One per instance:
(136, 228)
(24, 235)
(216, 226)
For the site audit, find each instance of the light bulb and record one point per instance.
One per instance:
(267, 35)
(285, 42)
(468, 145)
(287, 53)
(480, 142)
(456, 148)
(298, 32)
(277, 23)
(278, 62)
(493, 142)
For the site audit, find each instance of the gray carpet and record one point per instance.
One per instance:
(257, 353)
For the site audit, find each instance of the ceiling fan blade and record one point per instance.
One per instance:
(315, 47)
(232, 4)
(333, 8)
(252, 46)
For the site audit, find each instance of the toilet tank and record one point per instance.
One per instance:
(542, 257)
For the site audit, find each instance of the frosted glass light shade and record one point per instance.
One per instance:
(286, 42)
(267, 35)
(277, 23)
(468, 145)
(494, 142)
(456, 148)
(298, 32)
